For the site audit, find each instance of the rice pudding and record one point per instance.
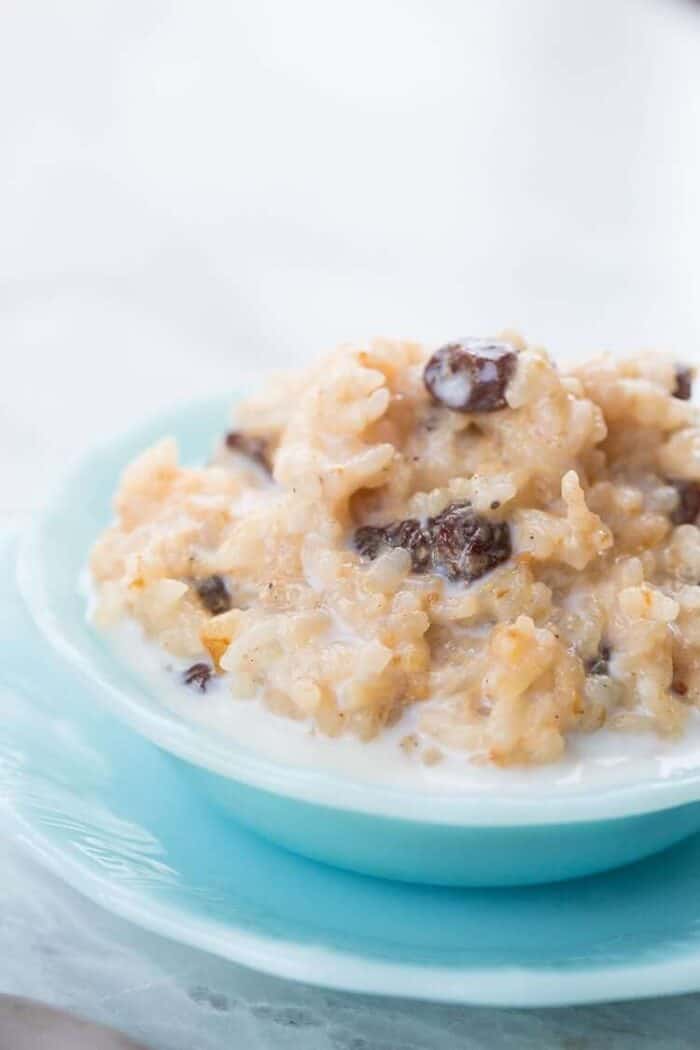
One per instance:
(463, 552)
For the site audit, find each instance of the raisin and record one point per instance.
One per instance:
(255, 448)
(457, 543)
(465, 545)
(471, 375)
(600, 664)
(213, 594)
(198, 675)
(683, 389)
(370, 540)
(688, 509)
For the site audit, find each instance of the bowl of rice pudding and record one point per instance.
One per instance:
(428, 614)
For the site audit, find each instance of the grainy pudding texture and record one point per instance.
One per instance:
(507, 550)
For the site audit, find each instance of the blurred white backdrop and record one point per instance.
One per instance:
(195, 191)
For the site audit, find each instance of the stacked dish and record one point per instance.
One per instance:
(425, 787)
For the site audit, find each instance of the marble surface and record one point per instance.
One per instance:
(194, 192)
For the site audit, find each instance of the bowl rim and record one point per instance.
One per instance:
(196, 745)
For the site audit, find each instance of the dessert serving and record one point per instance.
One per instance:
(465, 548)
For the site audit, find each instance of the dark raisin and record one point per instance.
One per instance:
(213, 594)
(413, 537)
(255, 448)
(198, 675)
(471, 375)
(457, 543)
(465, 545)
(688, 509)
(370, 540)
(683, 389)
(600, 663)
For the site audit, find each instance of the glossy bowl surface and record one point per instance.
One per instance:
(458, 839)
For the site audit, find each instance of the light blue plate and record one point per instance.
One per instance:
(458, 839)
(111, 814)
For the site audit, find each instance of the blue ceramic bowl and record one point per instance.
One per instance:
(458, 839)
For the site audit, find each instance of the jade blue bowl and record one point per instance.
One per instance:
(459, 839)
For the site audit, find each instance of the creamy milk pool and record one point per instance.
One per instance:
(592, 760)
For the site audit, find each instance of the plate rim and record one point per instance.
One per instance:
(495, 986)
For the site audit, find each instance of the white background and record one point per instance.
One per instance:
(194, 191)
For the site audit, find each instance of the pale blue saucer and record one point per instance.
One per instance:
(109, 813)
